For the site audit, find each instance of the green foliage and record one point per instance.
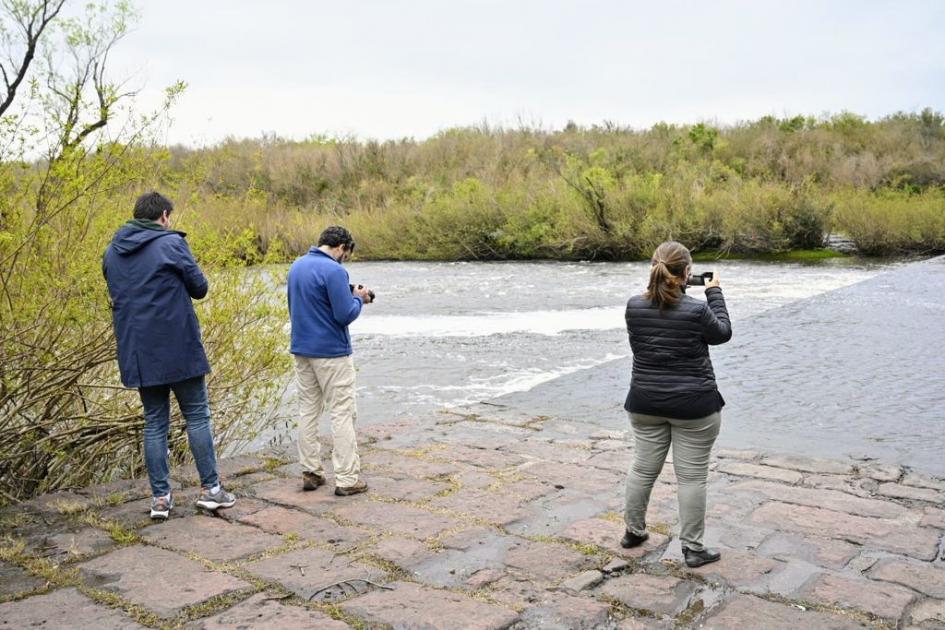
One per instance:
(65, 420)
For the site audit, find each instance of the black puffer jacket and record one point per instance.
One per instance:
(671, 348)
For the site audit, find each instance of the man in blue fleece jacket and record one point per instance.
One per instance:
(321, 306)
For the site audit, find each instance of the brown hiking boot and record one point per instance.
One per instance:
(359, 487)
(311, 481)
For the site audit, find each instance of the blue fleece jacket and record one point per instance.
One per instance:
(320, 306)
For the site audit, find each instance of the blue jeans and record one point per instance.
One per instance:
(192, 398)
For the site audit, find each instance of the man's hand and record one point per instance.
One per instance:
(714, 282)
(363, 292)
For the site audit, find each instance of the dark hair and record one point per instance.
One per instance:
(152, 205)
(668, 274)
(335, 235)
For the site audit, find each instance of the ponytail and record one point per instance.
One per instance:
(667, 274)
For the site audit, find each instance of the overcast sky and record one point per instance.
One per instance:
(389, 69)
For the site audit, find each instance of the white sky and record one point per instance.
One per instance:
(390, 69)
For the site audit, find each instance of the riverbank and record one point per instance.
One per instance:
(480, 522)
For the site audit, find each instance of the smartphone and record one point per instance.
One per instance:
(698, 279)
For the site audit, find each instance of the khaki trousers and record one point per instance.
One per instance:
(692, 442)
(328, 383)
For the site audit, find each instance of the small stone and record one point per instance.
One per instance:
(617, 564)
(583, 581)
(862, 563)
(898, 491)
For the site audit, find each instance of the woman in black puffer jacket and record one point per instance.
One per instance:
(673, 397)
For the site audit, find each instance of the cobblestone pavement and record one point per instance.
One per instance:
(475, 521)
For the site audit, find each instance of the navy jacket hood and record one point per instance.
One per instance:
(131, 237)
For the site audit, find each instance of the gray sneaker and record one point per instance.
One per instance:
(161, 507)
(220, 499)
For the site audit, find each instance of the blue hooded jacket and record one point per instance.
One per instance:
(320, 306)
(151, 278)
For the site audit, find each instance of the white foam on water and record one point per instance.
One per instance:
(546, 322)
(484, 388)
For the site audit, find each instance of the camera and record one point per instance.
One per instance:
(698, 279)
(361, 286)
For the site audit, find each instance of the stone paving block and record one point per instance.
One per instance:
(923, 577)
(644, 623)
(130, 572)
(883, 600)
(480, 457)
(895, 536)
(498, 508)
(404, 552)
(288, 492)
(546, 562)
(825, 552)
(830, 499)
(120, 491)
(566, 612)
(930, 613)
(65, 608)
(62, 502)
(259, 612)
(549, 451)
(14, 580)
(615, 461)
(881, 472)
(607, 534)
(397, 518)
(583, 581)
(405, 488)
(744, 612)
(239, 484)
(280, 520)
(131, 515)
(412, 606)
(551, 517)
(397, 462)
(72, 545)
(808, 464)
(864, 488)
(210, 537)
(227, 467)
(483, 578)
(742, 454)
(573, 477)
(305, 571)
(745, 469)
(923, 481)
(243, 508)
(933, 517)
(655, 593)
(737, 568)
(899, 491)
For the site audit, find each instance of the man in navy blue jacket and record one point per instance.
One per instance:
(321, 305)
(152, 277)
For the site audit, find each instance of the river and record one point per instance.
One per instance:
(549, 338)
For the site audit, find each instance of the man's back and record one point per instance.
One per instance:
(151, 278)
(320, 306)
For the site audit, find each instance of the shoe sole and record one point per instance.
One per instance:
(347, 493)
(159, 516)
(213, 505)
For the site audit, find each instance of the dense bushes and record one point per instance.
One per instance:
(600, 192)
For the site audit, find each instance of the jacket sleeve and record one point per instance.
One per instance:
(716, 326)
(188, 269)
(345, 307)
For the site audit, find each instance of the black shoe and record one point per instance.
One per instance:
(698, 558)
(311, 481)
(631, 540)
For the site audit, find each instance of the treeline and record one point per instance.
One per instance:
(604, 192)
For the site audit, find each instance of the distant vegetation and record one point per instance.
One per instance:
(604, 192)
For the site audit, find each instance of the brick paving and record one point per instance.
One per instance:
(521, 534)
